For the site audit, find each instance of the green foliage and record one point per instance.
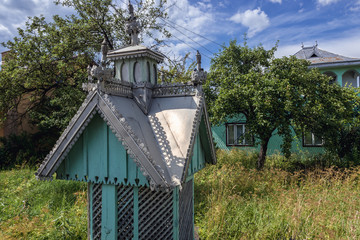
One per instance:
(32, 209)
(18, 150)
(178, 71)
(108, 19)
(235, 201)
(345, 141)
(282, 94)
(47, 62)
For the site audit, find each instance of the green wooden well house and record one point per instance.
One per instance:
(137, 144)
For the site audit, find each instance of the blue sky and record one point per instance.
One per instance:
(334, 24)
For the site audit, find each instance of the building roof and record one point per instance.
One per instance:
(322, 58)
(134, 51)
(160, 141)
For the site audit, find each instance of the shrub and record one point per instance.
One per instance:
(25, 149)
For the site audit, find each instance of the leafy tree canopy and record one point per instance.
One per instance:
(275, 94)
(47, 61)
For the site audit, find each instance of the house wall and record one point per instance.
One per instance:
(339, 72)
(274, 145)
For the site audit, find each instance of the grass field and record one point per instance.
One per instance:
(232, 201)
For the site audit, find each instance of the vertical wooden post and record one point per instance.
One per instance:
(136, 212)
(109, 212)
(88, 212)
(176, 213)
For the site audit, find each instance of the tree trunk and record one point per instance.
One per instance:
(262, 154)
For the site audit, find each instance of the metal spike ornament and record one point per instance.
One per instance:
(133, 27)
(198, 76)
(100, 73)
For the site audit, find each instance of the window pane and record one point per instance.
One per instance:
(230, 134)
(318, 140)
(248, 138)
(125, 72)
(349, 79)
(240, 133)
(307, 138)
(137, 72)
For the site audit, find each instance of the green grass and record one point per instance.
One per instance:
(235, 201)
(31, 209)
(232, 201)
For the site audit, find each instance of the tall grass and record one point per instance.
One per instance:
(31, 209)
(301, 198)
(235, 201)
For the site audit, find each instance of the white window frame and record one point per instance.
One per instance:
(236, 137)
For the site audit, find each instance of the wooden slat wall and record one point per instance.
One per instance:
(99, 157)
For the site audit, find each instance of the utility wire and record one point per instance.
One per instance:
(188, 37)
(167, 20)
(189, 45)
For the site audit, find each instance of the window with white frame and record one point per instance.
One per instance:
(311, 140)
(236, 135)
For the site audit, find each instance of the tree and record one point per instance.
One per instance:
(274, 94)
(47, 62)
(177, 70)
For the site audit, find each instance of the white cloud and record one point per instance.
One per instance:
(256, 20)
(326, 2)
(4, 29)
(276, 1)
(355, 7)
(186, 21)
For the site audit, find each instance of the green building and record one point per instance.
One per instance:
(345, 71)
(138, 145)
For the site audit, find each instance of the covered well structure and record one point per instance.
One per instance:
(137, 144)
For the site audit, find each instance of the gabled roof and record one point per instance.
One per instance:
(160, 142)
(318, 56)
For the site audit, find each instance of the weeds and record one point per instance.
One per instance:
(31, 209)
(235, 201)
(232, 201)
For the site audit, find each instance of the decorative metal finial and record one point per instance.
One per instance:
(104, 50)
(198, 60)
(198, 76)
(302, 44)
(132, 26)
(316, 43)
(100, 73)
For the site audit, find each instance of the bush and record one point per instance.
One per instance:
(25, 149)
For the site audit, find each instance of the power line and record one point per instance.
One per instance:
(190, 46)
(189, 37)
(167, 20)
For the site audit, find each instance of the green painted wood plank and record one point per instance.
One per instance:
(201, 159)
(136, 213)
(85, 153)
(96, 149)
(117, 159)
(98, 153)
(132, 171)
(73, 165)
(106, 150)
(109, 212)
